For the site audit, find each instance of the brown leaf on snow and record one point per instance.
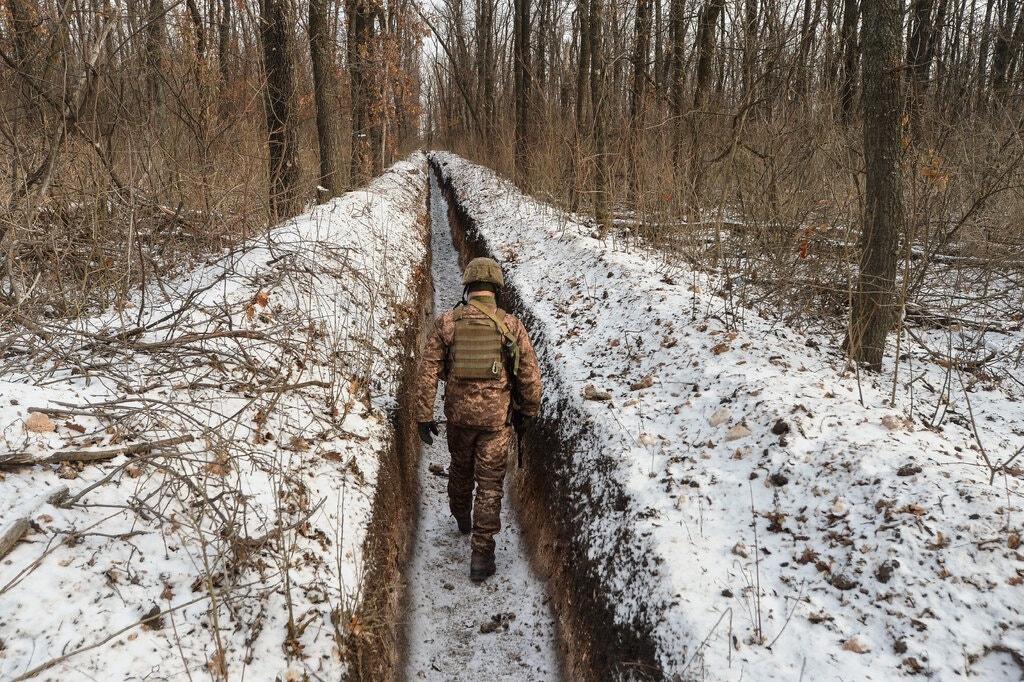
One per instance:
(646, 382)
(891, 422)
(720, 348)
(38, 422)
(72, 426)
(262, 299)
(857, 644)
(915, 509)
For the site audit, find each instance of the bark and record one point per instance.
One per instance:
(156, 39)
(325, 94)
(362, 16)
(750, 30)
(986, 30)
(873, 306)
(920, 54)
(279, 98)
(1007, 46)
(582, 81)
(851, 59)
(706, 26)
(224, 42)
(521, 58)
(598, 103)
(638, 88)
(485, 64)
(677, 91)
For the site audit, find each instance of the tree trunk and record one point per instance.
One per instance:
(602, 175)
(986, 30)
(637, 105)
(361, 17)
(677, 98)
(485, 64)
(874, 307)
(750, 30)
(156, 39)
(325, 94)
(582, 76)
(706, 25)
(277, 31)
(1006, 45)
(521, 60)
(851, 57)
(920, 53)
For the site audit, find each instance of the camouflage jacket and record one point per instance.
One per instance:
(481, 404)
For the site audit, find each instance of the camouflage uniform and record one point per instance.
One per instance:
(477, 412)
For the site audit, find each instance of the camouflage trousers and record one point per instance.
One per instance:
(478, 457)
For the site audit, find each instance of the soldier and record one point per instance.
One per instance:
(492, 387)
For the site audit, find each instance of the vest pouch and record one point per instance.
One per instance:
(476, 350)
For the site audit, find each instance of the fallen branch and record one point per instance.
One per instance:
(23, 458)
(15, 530)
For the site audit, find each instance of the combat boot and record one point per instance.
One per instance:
(481, 566)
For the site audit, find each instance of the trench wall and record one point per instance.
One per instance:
(377, 648)
(556, 507)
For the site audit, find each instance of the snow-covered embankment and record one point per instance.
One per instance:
(713, 495)
(239, 484)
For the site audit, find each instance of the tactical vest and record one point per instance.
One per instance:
(481, 345)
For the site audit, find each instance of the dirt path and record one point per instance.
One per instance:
(503, 628)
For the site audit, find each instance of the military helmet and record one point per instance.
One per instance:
(483, 270)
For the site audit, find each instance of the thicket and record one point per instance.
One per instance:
(138, 137)
(730, 135)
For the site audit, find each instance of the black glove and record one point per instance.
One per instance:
(521, 422)
(425, 429)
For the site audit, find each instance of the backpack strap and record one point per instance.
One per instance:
(498, 320)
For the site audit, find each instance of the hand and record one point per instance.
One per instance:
(521, 422)
(425, 429)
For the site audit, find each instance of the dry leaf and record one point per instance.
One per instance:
(915, 509)
(857, 644)
(720, 348)
(38, 422)
(262, 299)
(646, 382)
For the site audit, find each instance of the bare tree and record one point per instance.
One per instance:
(521, 64)
(874, 307)
(322, 38)
(277, 28)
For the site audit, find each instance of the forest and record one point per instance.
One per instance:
(834, 151)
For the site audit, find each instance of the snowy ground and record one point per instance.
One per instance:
(785, 521)
(782, 519)
(244, 409)
(503, 628)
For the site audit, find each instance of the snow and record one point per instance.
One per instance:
(755, 506)
(278, 364)
(502, 628)
(812, 530)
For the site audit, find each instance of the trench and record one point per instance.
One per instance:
(500, 629)
(554, 507)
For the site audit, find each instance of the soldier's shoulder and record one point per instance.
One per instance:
(513, 323)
